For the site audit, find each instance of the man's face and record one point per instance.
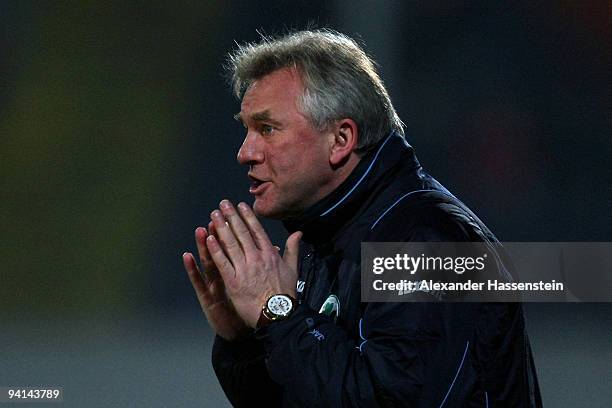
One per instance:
(288, 159)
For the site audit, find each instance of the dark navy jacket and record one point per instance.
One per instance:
(381, 354)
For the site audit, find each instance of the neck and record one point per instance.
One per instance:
(340, 174)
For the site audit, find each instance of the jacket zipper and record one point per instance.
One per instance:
(307, 262)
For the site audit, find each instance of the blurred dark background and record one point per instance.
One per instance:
(117, 140)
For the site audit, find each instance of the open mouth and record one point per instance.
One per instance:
(256, 184)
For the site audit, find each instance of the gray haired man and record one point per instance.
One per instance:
(326, 154)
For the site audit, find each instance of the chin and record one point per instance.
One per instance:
(266, 210)
(262, 210)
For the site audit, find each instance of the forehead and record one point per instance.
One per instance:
(276, 92)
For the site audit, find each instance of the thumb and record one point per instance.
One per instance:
(292, 249)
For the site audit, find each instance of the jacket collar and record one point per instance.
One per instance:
(321, 221)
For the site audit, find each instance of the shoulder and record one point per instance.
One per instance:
(426, 216)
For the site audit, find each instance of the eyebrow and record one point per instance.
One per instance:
(263, 116)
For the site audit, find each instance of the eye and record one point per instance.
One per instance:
(266, 129)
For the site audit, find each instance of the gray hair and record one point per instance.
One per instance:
(340, 80)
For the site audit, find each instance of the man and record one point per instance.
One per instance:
(326, 155)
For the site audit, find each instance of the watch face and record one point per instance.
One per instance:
(280, 305)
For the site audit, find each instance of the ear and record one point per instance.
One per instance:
(343, 141)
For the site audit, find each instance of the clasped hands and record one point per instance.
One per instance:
(241, 269)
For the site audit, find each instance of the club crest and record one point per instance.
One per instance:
(331, 307)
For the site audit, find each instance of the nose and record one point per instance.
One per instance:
(250, 152)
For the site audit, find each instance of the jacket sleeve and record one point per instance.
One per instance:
(240, 368)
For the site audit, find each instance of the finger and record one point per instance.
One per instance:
(224, 266)
(209, 271)
(292, 249)
(257, 231)
(277, 248)
(242, 233)
(194, 276)
(227, 239)
(200, 237)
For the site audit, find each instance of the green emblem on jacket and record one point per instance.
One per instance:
(331, 307)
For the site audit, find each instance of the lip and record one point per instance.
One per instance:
(257, 185)
(259, 189)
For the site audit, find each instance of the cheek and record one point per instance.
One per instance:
(287, 161)
(298, 163)
(307, 174)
